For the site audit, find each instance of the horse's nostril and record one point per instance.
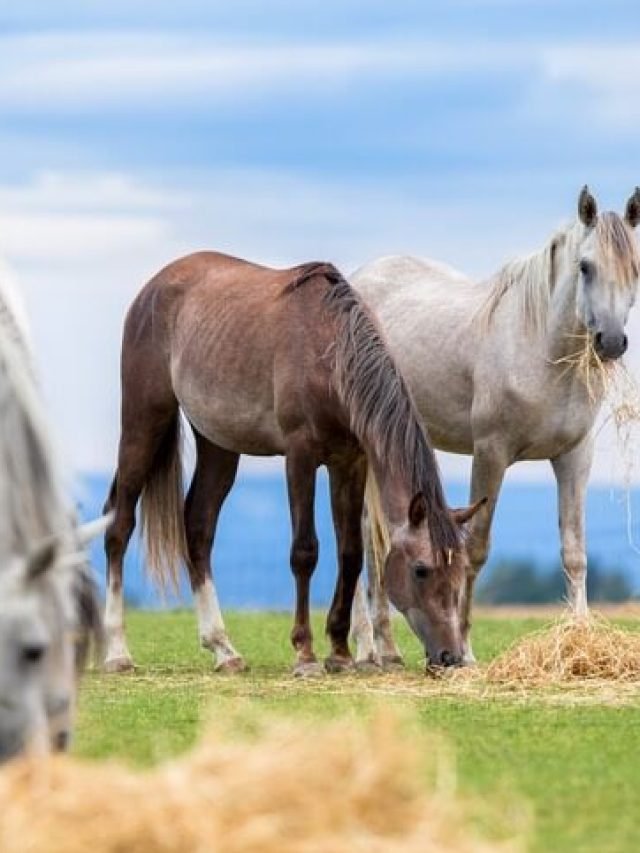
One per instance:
(625, 343)
(598, 339)
(61, 741)
(447, 659)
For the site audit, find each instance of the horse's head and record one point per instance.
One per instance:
(48, 609)
(426, 588)
(608, 266)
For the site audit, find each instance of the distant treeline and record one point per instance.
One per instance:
(524, 582)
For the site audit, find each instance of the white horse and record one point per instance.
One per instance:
(48, 608)
(498, 371)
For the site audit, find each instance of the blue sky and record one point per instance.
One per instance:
(133, 132)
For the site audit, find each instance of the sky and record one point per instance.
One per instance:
(134, 132)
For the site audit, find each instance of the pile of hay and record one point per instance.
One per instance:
(342, 788)
(569, 650)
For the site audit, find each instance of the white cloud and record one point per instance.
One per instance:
(92, 71)
(604, 77)
(83, 73)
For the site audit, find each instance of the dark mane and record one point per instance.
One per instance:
(306, 272)
(378, 399)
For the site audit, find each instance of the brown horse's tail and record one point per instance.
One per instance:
(377, 524)
(162, 511)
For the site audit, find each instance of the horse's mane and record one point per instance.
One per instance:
(530, 279)
(378, 400)
(30, 484)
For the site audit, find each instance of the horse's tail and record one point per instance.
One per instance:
(378, 529)
(162, 511)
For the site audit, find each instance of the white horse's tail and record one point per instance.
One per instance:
(378, 528)
(30, 484)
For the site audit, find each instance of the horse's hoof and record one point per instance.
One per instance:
(336, 665)
(121, 664)
(368, 666)
(392, 663)
(308, 669)
(232, 666)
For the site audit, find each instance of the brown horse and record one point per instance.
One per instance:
(266, 362)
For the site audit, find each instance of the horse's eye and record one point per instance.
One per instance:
(33, 653)
(586, 267)
(421, 571)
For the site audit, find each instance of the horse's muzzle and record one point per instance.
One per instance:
(610, 346)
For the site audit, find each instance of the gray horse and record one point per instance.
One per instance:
(48, 607)
(497, 371)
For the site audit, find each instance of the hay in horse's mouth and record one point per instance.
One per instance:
(569, 650)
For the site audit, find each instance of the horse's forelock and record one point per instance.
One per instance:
(617, 248)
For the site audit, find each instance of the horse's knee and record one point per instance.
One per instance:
(574, 561)
(477, 552)
(304, 555)
(351, 560)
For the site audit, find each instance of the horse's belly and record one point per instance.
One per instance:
(234, 422)
(454, 436)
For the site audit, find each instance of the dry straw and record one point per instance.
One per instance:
(570, 651)
(345, 787)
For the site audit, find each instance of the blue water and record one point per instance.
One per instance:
(251, 554)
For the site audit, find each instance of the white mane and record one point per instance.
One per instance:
(31, 495)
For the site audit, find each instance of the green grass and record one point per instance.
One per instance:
(576, 764)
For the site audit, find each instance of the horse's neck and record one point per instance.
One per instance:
(564, 330)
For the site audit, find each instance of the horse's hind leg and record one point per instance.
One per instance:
(362, 629)
(141, 440)
(387, 650)
(347, 482)
(372, 629)
(572, 473)
(489, 465)
(212, 480)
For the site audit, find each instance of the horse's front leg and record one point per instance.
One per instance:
(489, 466)
(301, 467)
(347, 480)
(572, 473)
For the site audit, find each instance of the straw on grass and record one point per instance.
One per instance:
(570, 650)
(338, 789)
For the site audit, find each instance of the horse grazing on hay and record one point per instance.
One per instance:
(48, 605)
(507, 371)
(265, 362)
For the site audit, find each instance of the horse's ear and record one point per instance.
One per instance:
(86, 533)
(42, 558)
(632, 211)
(587, 207)
(466, 513)
(417, 510)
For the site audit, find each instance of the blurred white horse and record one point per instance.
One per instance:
(498, 371)
(48, 609)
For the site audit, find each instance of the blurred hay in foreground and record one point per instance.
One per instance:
(571, 649)
(344, 787)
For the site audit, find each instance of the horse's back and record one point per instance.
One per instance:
(393, 273)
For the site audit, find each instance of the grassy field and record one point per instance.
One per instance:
(573, 757)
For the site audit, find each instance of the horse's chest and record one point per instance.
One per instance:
(547, 426)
